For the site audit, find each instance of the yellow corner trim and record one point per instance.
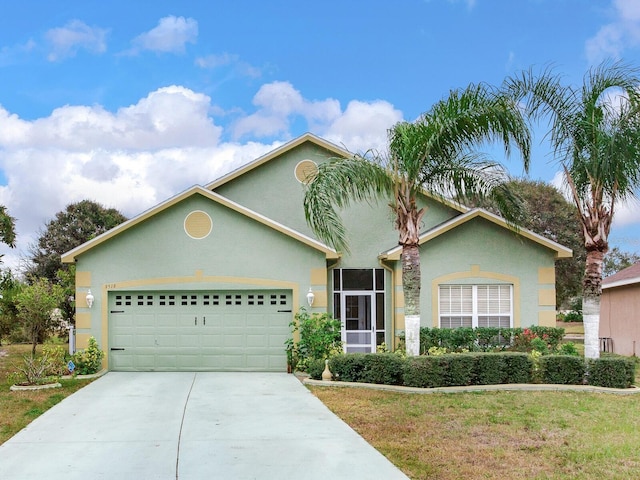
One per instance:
(547, 297)
(83, 279)
(547, 275)
(82, 340)
(83, 320)
(318, 276)
(547, 318)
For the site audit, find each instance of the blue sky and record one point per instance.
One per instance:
(128, 103)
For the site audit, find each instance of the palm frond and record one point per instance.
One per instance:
(335, 186)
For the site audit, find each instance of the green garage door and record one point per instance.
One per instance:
(188, 331)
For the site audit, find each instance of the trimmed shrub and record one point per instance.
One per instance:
(315, 367)
(518, 367)
(612, 372)
(348, 367)
(562, 369)
(424, 371)
(384, 368)
(459, 369)
(490, 369)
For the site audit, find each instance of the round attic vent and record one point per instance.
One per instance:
(198, 224)
(305, 171)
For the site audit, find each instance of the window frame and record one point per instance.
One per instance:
(474, 313)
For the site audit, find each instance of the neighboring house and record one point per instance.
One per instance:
(620, 312)
(211, 278)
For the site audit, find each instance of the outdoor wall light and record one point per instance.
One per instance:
(89, 298)
(310, 297)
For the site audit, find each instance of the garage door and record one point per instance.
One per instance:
(188, 331)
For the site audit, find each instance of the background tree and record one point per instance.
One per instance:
(547, 212)
(36, 304)
(436, 154)
(595, 134)
(9, 288)
(76, 224)
(616, 260)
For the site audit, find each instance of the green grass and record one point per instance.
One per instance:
(18, 409)
(515, 435)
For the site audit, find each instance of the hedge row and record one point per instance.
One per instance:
(428, 371)
(484, 338)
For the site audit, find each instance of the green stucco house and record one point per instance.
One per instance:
(211, 278)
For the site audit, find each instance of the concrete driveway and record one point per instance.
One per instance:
(189, 426)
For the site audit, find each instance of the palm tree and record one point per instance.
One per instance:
(595, 134)
(434, 155)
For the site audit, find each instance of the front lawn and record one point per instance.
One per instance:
(496, 435)
(18, 409)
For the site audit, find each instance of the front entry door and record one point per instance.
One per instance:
(358, 326)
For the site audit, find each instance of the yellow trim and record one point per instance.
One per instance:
(399, 321)
(320, 300)
(83, 320)
(70, 257)
(82, 341)
(197, 278)
(198, 224)
(547, 318)
(81, 298)
(547, 275)
(475, 272)
(318, 276)
(547, 297)
(400, 299)
(83, 279)
(392, 308)
(561, 251)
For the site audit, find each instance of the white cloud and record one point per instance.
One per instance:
(621, 33)
(75, 35)
(363, 126)
(139, 155)
(213, 61)
(170, 36)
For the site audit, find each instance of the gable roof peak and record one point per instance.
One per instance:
(282, 149)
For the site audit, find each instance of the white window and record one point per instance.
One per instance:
(476, 306)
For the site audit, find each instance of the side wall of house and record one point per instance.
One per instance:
(620, 318)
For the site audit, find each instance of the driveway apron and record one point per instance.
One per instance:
(191, 426)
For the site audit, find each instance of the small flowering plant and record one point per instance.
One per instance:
(89, 360)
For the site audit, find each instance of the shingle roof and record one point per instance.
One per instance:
(627, 276)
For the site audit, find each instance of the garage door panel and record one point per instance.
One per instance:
(199, 330)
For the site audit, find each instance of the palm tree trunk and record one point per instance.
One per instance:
(592, 285)
(411, 288)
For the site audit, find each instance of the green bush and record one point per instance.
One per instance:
(562, 369)
(57, 359)
(348, 367)
(573, 316)
(319, 339)
(383, 368)
(487, 339)
(612, 372)
(425, 371)
(459, 369)
(89, 360)
(518, 367)
(315, 367)
(568, 348)
(490, 369)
